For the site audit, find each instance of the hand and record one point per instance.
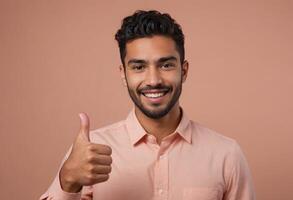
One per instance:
(88, 163)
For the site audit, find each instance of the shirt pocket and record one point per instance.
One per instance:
(201, 193)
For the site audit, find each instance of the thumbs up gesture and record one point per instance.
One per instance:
(88, 163)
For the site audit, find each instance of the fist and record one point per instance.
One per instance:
(88, 163)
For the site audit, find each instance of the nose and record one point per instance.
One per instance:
(153, 76)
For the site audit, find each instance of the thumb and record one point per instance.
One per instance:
(84, 126)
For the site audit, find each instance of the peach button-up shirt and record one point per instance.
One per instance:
(194, 163)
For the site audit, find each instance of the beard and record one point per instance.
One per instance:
(158, 112)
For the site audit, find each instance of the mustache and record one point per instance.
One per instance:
(156, 87)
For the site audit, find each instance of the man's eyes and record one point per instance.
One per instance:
(137, 67)
(142, 67)
(167, 65)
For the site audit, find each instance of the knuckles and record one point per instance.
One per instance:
(91, 158)
(91, 177)
(91, 169)
(91, 147)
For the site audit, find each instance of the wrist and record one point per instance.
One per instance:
(68, 184)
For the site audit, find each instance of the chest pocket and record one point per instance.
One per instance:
(201, 193)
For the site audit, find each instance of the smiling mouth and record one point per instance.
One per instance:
(153, 94)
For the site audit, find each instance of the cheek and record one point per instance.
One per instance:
(173, 79)
(133, 81)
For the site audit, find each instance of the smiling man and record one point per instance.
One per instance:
(153, 75)
(157, 152)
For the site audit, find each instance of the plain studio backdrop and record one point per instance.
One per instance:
(59, 58)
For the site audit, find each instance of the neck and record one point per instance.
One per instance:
(162, 127)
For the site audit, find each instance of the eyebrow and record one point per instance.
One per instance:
(160, 60)
(168, 58)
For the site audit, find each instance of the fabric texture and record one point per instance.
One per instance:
(194, 162)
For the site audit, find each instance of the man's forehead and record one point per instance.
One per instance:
(156, 60)
(151, 48)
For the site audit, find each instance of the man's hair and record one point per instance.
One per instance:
(147, 24)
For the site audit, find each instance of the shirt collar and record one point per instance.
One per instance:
(136, 131)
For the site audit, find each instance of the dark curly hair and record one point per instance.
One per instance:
(146, 24)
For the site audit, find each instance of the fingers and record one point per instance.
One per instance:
(97, 174)
(105, 160)
(100, 149)
(100, 159)
(98, 178)
(101, 169)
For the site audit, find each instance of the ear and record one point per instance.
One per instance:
(122, 74)
(185, 67)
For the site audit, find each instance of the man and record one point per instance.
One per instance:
(157, 152)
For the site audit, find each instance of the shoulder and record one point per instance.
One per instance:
(211, 135)
(218, 146)
(213, 140)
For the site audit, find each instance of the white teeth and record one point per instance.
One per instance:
(154, 95)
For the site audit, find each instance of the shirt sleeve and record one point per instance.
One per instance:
(55, 191)
(239, 185)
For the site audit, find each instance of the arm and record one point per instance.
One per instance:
(55, 191)
(239, 184)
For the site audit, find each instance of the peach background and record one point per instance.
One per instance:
(58, 58)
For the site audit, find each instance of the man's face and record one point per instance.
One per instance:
(153, 74)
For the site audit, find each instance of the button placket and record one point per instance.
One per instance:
(162, 173)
